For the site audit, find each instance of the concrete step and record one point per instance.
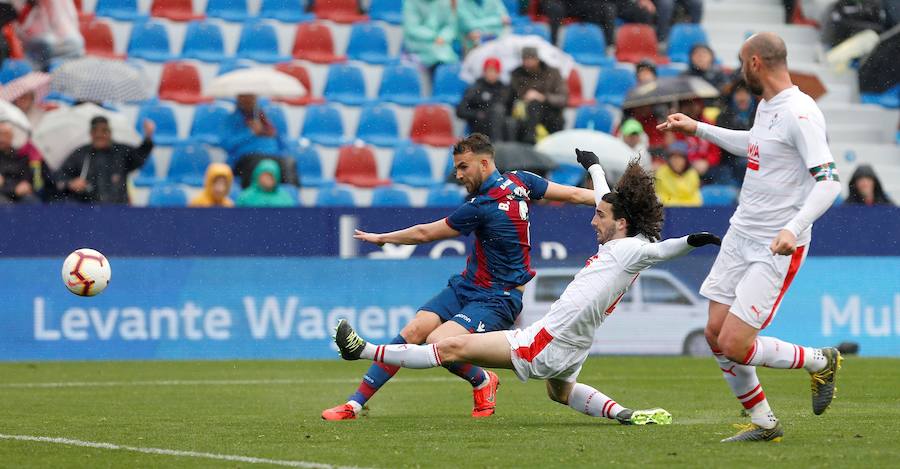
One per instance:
(743, 12)
(858, 134)
(738, 30)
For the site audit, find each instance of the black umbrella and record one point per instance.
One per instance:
(669, 90)
(510, 156)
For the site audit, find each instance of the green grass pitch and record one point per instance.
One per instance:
(271, 410)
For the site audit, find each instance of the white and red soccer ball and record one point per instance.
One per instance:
(86, 272)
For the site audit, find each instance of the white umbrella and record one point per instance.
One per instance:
(614, 154)
(101, 80)
(509, 50)
(256, 80)
(63, 130)
(9, 112)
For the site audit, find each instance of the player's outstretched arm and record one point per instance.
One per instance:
(676, 247)
(418, 234)
(569, 194)
(732, 141)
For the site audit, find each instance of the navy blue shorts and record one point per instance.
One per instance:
(476, 309)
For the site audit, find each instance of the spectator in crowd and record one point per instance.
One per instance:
(665, 15)
(632, 134)
(648, 118)
(26, 101)
(429, 28)
(702, 154)
(539, 95)
(50, 31)
(645, 72)
(98, 171)
(865, 188)
(483, 106)
(249, 137)
(216, 187)
(480, 21)
(600, 12)
(264, 190)
(703, 65)
(20, 179)
(677, 183)
(738, 114)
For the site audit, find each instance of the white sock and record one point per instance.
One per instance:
(405, 355)
(745, 385)
(356, 406)
(776, 353)
(590, 401)
(487, 380)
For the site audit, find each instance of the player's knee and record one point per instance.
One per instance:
(732, 347)
(712, 337)
(415, 333)
(556, 396)
(452, 349)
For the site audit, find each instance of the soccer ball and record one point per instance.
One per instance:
(86, 272)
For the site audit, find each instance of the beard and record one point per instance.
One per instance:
(753, 84)
(605, 235)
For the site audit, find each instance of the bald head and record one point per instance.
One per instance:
(769, 47)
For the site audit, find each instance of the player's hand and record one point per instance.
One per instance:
(784, 244)
(373, 238)
(23, 188)
(679, 122)
(702, 239)
(586, 158)
(78, 185)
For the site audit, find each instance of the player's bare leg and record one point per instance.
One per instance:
(589, 401)
(484, 382)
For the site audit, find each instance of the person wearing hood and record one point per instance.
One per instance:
(483, 106)
(703, 64)
(480, 21)
(216, 187)
(264, 190)
(677, 183)
(865, 188)
(429, 28)
(20, 181)
(539, 95)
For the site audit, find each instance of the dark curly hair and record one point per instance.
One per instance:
(634, 199)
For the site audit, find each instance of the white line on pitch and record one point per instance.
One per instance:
(169, 452)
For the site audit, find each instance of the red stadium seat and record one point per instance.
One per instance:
(180, 82)
(313, 42)
(98, 39)
(339, 11)
(636, 42)
(299, 72)
(356, 166)
(175, 10)
(576, 95)
(431, 125)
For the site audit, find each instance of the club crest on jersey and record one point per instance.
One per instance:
(774, 122)
(753, 157)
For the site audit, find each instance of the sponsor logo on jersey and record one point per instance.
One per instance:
(753, 157)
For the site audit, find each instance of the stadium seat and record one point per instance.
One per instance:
(203, 41)
(613, 84)
(400, 85)
(232, 63)
(298, 71)
(636, 42)
(164, 117)
(378, 126)
(259, 42)
(180, 82)
(448, 87)
(121, 10)
(286, 11)
(446, 195)
(668, 71)
(165, 194)
(188, 164)
(345, 84)
(339, 11)
(275, 115)
(98, 39)
(334, 196)
(175, 10)
(585, 43)
(597, 117)
(576, 93)
(889, 99)
(292, 191)
(389, 197)
(449, 168)
(368, 43)
(537, 29)
(411, 166)
(206, 127)
(568, 174)
(146, 177)
(389, 11)
(716, 195)
(682, 38)
(309, 165)
(228, 10)
(12, 69)
(431, 125)
(149, 41)
(313, 42)
(356, 166)
(322, 125)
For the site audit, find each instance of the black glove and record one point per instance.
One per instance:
(587, 158)
(702, 239)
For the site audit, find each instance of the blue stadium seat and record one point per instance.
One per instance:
(166, 194)
(368, 43)
(309, 165)
(232, 63)
(613, 84)
(389, 197)
(322, 124)
(512, 7)
(228, 10)
(568, 174)
(889, 99)
(188, 164)
(716, 195)
(286, 11)
(400, 85)
(682, 38)
(334, 196)
(146, 177)
(259, 42)
(149, 41)
(378, 126)
(203, 40)
(448, 86)
(345, 84)
(449, 168)
(275, 115)
(122, 10)
(596, 117)
(411, 166)
(206, 127)
(668, 71)
(12, 69)
(164, 117)
(537, 29)
(389, 11)
(291, 191)
(446, 195)
(585, 43)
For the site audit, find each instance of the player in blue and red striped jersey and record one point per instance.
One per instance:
(487, 296)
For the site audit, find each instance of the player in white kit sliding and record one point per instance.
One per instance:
(790, 181)
(628, 222)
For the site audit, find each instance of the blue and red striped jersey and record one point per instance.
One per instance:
(500, 253)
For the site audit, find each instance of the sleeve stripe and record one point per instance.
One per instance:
(825, 172)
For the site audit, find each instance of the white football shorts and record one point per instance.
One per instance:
(537, 355)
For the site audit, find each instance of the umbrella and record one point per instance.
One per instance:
(668, 90)
(509, 50)
(511, 156)
(37, 82)
(9, 112)
(613, 153)
(808, 83)
(256, 80)
(101, 80)
(63, 130)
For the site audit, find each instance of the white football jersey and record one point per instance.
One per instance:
(786, 140)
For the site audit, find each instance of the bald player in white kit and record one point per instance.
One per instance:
(791, 180)
(628, 222)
